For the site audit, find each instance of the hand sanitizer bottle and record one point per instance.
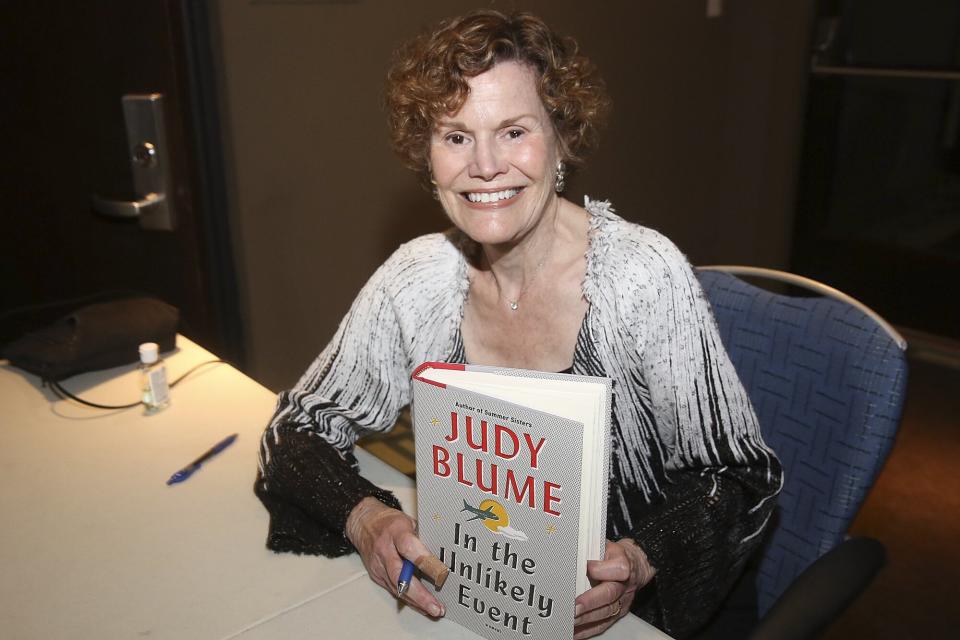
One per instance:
(153, 379)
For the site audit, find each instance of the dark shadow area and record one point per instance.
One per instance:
(914, 509)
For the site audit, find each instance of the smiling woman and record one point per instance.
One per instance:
(490, 110)
(494, 166)
(430, 80)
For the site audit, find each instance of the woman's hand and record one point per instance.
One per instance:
(384, 537)
(616, 580)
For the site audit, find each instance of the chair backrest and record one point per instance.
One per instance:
(827, 381)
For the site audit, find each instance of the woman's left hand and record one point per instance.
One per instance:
(616, 580)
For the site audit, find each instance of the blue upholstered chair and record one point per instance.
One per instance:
(827, 377)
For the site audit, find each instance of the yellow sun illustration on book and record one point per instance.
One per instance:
(502, 518)
(494, 517)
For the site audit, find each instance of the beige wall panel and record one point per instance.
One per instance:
(702, 144)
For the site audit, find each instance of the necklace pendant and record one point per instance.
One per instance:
(513, 305)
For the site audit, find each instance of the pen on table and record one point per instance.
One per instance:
(406, 576)
(188, 470)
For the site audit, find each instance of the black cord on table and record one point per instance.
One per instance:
(64, 394)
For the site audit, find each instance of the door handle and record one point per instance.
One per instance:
(146, 205)
(149, 162)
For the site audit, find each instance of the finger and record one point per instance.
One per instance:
(599, 596)
(592, 629)
(424, 601)
(375, 569)
(611, 611)
(643, 572)
(380, 575)
(614, 570)
(389, 545)
(403, 602)
(388, 558)
(384, 563)
(417, 593)
(411, 547)
(379, 578)
(615, 566)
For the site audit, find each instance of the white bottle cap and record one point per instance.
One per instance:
(149, 352)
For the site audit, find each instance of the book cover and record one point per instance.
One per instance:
(501, 497)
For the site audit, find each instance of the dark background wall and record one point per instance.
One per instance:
(702, 144)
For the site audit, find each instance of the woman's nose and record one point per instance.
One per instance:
(488, 161)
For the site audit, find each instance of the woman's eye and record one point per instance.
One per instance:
(515, 133)
(456, 138)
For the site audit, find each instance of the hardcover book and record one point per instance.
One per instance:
(512, 470)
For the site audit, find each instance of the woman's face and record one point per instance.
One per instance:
(494, 161)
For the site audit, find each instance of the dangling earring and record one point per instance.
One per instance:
(561, 176)
(433, 183)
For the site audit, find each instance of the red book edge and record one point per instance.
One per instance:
(436, 365)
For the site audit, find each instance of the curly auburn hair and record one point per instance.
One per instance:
(429, 79)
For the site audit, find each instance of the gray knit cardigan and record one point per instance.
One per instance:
(692, 481)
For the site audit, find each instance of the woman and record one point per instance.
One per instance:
(491, 109)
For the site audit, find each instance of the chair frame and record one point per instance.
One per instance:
(810, 285)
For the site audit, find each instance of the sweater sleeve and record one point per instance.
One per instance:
(721, 478)
(308, 477)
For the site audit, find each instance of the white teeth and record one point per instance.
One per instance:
(492, 197)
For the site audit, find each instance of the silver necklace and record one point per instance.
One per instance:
(515, 304)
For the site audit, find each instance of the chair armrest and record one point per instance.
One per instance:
(823, 591)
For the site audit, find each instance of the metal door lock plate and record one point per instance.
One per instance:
(150, 164)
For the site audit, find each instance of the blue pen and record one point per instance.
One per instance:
(188, 470)
(406, 576)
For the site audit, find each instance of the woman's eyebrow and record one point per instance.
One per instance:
(449, 124)
(516, 119)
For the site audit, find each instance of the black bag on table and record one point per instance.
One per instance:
(96, 336)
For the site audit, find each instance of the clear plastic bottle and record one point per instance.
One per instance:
(153, 379)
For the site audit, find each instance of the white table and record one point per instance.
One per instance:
(94, 544)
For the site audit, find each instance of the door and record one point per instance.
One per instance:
(66, 67)
(879, 193)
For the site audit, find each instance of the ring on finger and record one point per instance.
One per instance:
(619, 609)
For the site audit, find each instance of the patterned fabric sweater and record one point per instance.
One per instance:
(692, 481)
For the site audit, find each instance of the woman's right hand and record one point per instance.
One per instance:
(384, 537)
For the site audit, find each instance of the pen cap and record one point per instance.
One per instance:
(149, 352)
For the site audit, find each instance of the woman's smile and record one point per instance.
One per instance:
(487, 199)
(497, 156)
